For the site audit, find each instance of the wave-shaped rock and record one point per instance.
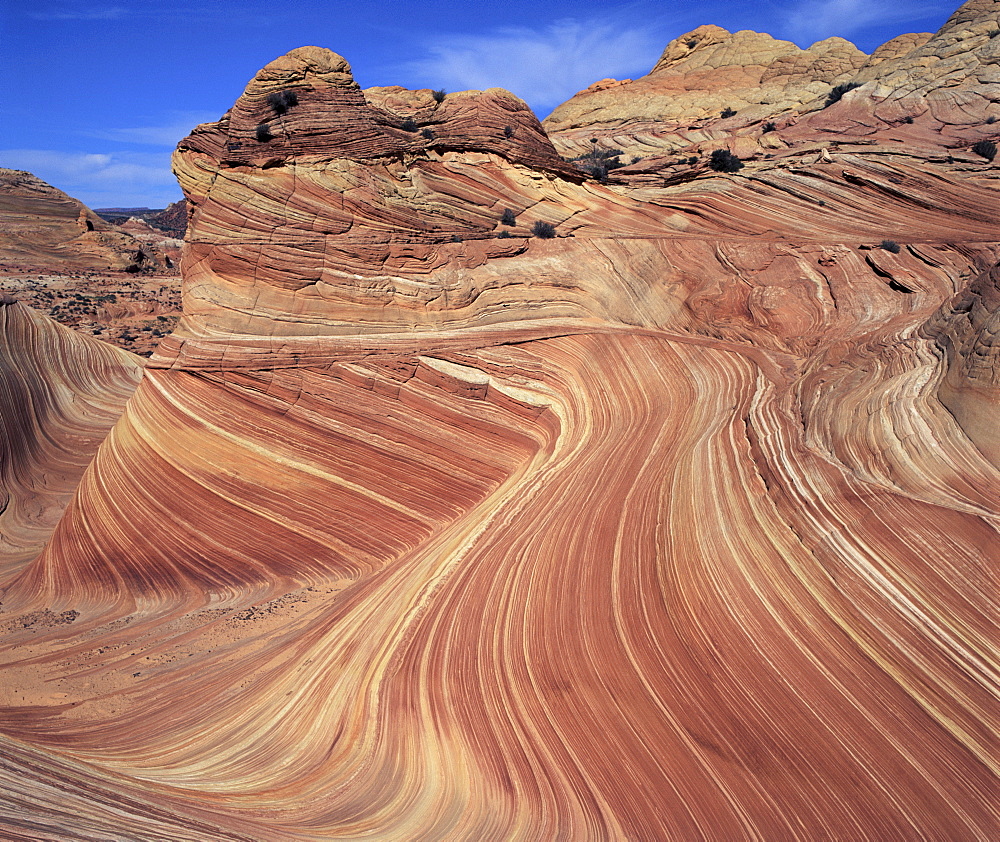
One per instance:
(677, 524)
(60, 394)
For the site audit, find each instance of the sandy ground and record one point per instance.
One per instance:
(130, 311)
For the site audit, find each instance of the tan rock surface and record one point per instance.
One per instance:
(917, 89)
(42, 227)
(653, 529)
(699, 76)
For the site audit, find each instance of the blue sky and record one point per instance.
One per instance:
(94, 95)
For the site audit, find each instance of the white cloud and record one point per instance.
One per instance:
(179, 126)
(543, 66)
(809, 20)
(98, 180)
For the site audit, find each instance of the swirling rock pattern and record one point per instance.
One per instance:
(678, 525)
(60, 394)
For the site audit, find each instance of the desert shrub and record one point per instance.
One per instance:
(455, 238)
(427, 134)
(543, 230)
(838, 91)
(508, 131)
(598, 162)
(991, 120)
(769, 127)
(508, 218)
(693, 160)
(908, 119)
(503, 235)
(636, 159)
(264, 133)
(723, 160)
(986, 148)
(728, 112)
(438, 95)
(889, 245)
(409, 125)
(281, 101)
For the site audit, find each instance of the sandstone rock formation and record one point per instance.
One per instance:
(700, 76)
(172, 219)
(61, 393)
(679, 524)
(42, 227)
(918, 89)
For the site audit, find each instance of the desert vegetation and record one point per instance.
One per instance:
(598, 162)
(837, 92)
(543, 230)
(281, 101)
(722, 160)
(985, 148)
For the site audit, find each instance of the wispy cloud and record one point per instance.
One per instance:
(809, 20)
(543, 66)
(168, 134)
(100, 180)
(80, 11)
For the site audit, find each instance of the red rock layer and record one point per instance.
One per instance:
(657, 529)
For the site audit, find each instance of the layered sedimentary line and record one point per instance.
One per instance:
(60, 394)
(648, 629)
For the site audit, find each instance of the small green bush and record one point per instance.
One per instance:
(769, 127)
(543, 230)
(508, 132)
(503, 235)
(837, 92)
(508, 218)
(427, 134)
(723, 160)
(889, 245)
(263, 133)
(438, 95)
(409, 125)
(728, 112)
(985, 148)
